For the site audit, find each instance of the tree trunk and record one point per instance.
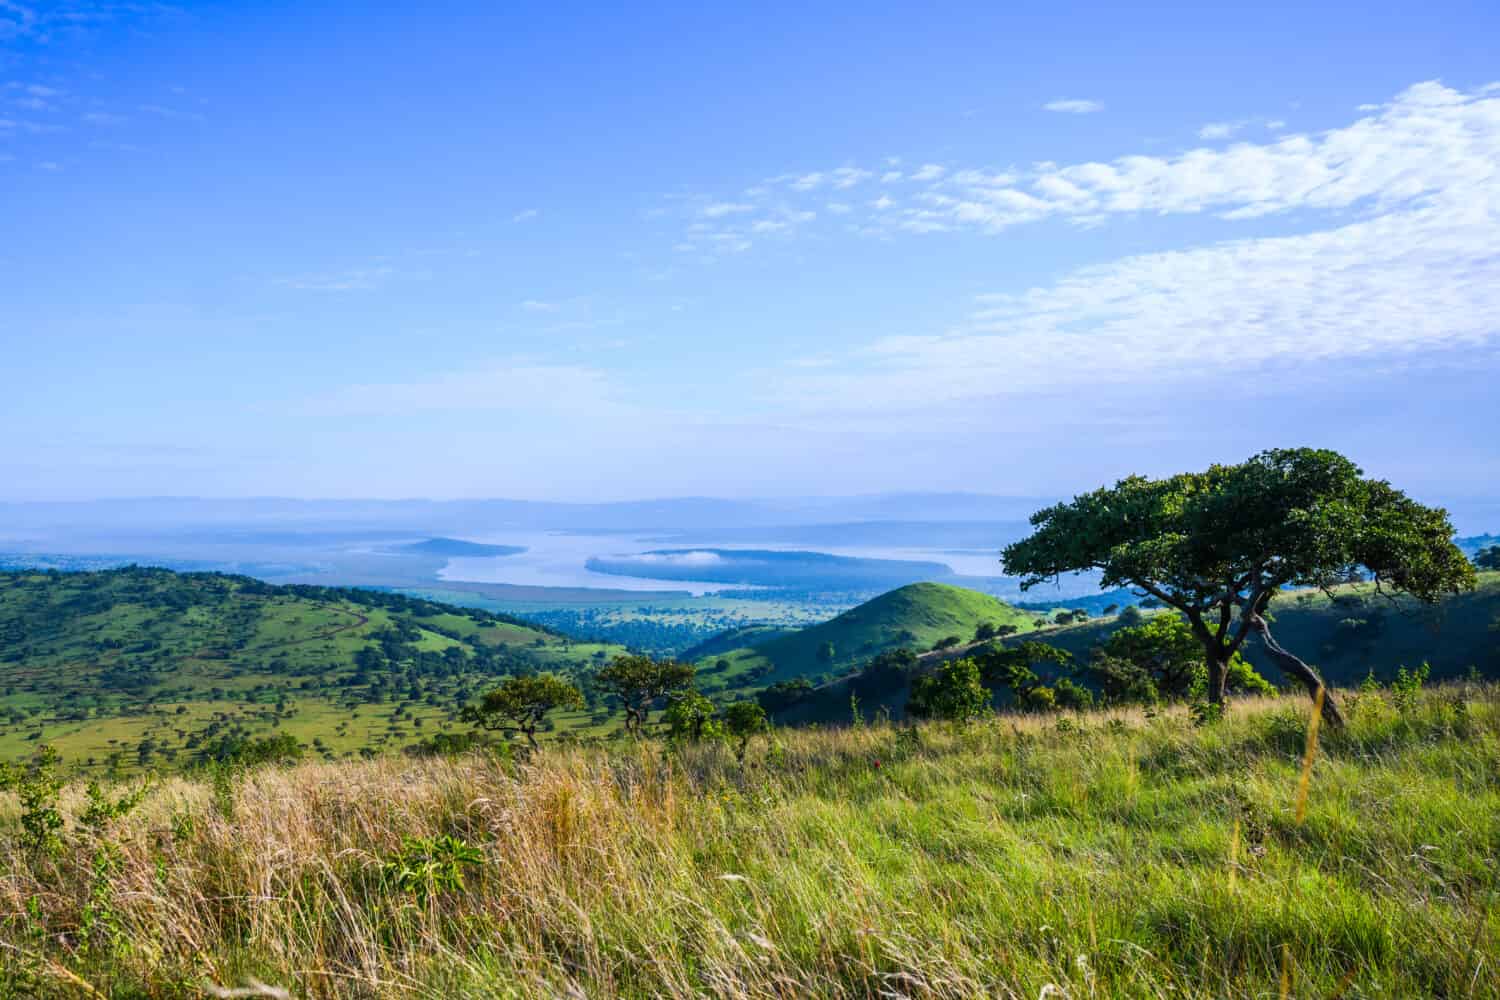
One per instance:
(1218, 678)
(1293, 666)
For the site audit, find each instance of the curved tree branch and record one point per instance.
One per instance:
(1293, 666)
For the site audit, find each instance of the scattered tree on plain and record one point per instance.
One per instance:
(522, 704)
(1218, 545)
(640, 682)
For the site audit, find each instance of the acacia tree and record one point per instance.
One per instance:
(521, 704)
(1219, 545)
(640, 682)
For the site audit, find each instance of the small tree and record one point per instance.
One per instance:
(690, 717)
(1219, 545)
(948, 642)
(826, 652)
(743, 720)
(984, 631)
(953, 691)
(1488, 558)
(522, 704)
(640, 682)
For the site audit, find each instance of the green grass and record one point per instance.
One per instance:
(1102, 855)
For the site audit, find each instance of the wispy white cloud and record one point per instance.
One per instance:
(846, 177)
(536, 305)
(525, 215)
(162, 111)
(1215, 131)
(1074, 106)
(1220, 130)
(1411, 282)
(719, 209)
(1428, 138)
(1415, 271)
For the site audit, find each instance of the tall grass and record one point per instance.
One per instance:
(1102, 855)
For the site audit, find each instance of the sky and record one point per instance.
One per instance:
(555, 251)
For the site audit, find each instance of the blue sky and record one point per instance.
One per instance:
(560, 252)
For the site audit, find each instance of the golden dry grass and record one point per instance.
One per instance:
(1091, 858)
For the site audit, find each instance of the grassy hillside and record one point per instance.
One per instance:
(916, 616)
(732, 640)
(1348, 636)
(127, 667)
(1116, 856)
(1356, 631)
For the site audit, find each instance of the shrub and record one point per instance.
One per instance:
(428, 866)
(743, 720)
(952, 692)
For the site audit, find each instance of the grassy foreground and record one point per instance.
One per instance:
(1094, 856)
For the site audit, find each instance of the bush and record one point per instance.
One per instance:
(952, 692)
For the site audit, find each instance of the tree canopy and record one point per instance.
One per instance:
(1488, 558)
(1218, 545)
(640, 682)
(521, 704)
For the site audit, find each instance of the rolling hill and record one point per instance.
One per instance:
(916, 616)
(131, 665)
(1348, 635)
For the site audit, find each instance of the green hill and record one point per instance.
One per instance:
(917, 616)
(1347, 635)
(132, 665)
